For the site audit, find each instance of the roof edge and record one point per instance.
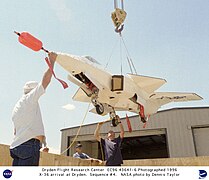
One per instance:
(161, 111)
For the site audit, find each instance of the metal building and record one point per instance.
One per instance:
(178, 132)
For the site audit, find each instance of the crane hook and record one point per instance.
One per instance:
(118, 17)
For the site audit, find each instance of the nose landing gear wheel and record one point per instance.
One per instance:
(99, 109)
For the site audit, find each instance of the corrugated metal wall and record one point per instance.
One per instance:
(201, 140)
(176, 123)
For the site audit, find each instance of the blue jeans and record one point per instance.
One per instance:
(26, 154)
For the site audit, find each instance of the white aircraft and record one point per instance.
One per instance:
(110, 93)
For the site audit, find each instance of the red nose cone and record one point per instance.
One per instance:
(30, 41)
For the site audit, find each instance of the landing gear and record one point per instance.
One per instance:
(102, 109)
(114, 122)
(99, 109)
(144, 119)
(114, 119)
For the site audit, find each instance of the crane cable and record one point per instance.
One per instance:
(118, 18)
(112, 51)
(121, 59)
(78, 130)
(128, 57)
(116, 4)
(130, 62)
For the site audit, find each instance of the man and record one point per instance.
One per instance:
(111, 145)
(79, 153)
(28, 125)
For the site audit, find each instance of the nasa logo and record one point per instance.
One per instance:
(202, 174)
(7, 173)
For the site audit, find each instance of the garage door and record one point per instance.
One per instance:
(144, 147)
(201, 141)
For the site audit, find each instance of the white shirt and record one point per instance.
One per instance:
(26, 117)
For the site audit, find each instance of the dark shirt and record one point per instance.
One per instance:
(81, 156)
(112, 151)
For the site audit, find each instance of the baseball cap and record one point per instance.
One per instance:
(29, 86)
(111, 131)
(78, 145)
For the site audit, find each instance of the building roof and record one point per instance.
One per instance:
(161, 111)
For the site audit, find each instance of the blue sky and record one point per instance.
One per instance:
(166, 39)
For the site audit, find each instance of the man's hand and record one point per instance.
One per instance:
(48, 74)
(118, 118)
(96, 133)
(101, 123)
(52, 57)
(45, 149)
(121, 127)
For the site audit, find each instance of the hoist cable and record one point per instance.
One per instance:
(129, 58)
(116, 42)
(115, 4)
(77, 131)
(130, 65)
(121, 61)
(122, 6)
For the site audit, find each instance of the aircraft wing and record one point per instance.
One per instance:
(167, 97)
(96, 80)
(80, 95)
(149, 84)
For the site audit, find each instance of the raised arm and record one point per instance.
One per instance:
(48, 74)
(121, 128)
(96, 133)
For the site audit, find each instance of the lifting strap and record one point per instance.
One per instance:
(129, 59)
(64, 84)
(128, 123)
(130, 62)
(118, 17)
